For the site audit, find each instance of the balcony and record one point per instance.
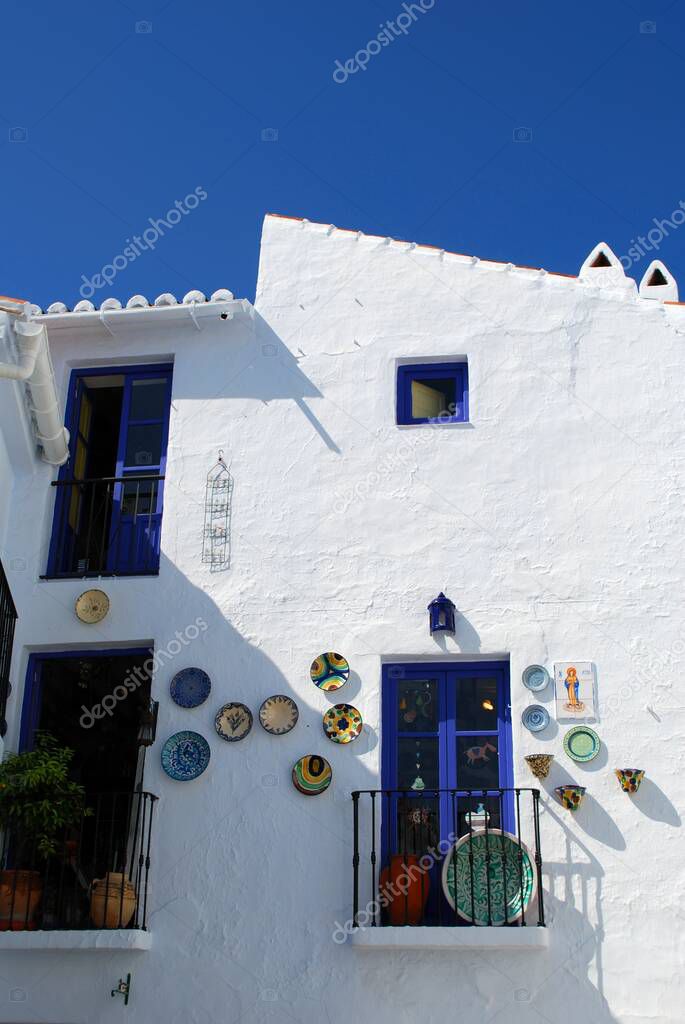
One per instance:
(106, 526)
(96, 881)
(8, 618)
(447, 868)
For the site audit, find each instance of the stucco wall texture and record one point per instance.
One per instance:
(553, 520)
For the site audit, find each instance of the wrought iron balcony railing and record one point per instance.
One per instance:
(106, 526)
(447, 857)
(97, 877)
(8, 618)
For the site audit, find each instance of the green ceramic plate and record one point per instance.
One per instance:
(500, 893)
(582, 743)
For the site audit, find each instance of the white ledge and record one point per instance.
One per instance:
(528, 938)
(105, 939)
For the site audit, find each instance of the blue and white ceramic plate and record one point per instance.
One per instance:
(233, 721)
(185, 755)
(535, 717)
(190, 687)
(535, 678)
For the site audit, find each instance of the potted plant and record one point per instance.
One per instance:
(38, 802)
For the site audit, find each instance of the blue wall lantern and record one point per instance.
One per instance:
(441, 612)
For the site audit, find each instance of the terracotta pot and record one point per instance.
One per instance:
(112, 901)
(405, 887)
(20, 895)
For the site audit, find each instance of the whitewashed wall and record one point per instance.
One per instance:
(553, 520)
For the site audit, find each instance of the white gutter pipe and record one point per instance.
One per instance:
(35, 370)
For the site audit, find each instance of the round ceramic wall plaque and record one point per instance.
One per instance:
(329, 671)
(92, 606)
(342, 723)
(190, 687)
(185, 755)
(233, 721)
(582, 743)
(278, 714)
(312, 775)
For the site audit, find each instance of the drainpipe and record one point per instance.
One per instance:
(35, 370)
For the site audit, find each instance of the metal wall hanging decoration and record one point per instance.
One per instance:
(575, 691)
(185, 756)
(190, 687)
(441, 615)
(329, 671)
(216, 538)
(312, 775)
(91, 606)
(233, 721)
(535, 717)
(535, 678)
(342, 723)
(582, 743)
(278, 714)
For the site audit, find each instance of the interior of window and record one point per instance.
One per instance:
(433, 398)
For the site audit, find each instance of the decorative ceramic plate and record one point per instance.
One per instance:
(342, 723)
(312, 774)
(535, 717)
(329, 671)
(278, 714)
(233, 722)
(487, 901)
(535, 677)
(190, 687)
(582, 743)
(92, 606)
(185, 755)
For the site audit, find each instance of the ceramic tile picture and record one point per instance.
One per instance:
(575, 691)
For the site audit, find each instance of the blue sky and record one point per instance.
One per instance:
(106, 122)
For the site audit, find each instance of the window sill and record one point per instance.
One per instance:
(105, 940)
(453, 939)
(447, 425)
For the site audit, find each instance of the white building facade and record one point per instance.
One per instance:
(395, 422)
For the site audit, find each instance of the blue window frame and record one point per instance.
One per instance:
(108, 509)
(432, 393)
(446, 727)
(33, 690)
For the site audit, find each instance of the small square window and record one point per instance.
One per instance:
(432, 393)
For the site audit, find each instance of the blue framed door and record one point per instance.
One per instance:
(446, 727)
(141, 457)
(111, 522)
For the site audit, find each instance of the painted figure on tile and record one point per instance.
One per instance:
(476, 754)
(572, 685)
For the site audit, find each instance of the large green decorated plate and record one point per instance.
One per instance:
(582, 743)
(513, 883)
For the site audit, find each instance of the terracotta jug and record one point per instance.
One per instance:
(112, 901)
(405, 887)
(20, 895)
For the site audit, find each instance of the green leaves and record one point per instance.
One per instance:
(37, 798)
